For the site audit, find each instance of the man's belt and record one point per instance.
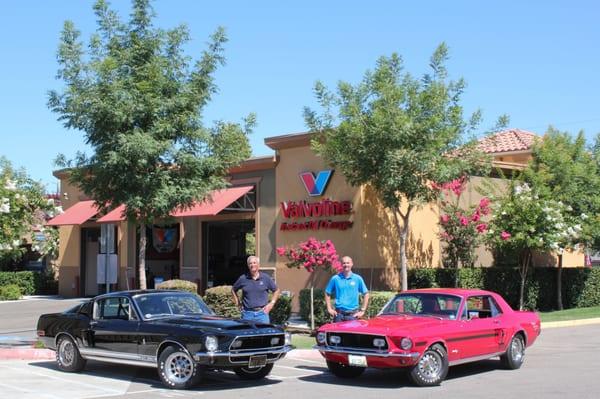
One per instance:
(254, 309)
(346, 312)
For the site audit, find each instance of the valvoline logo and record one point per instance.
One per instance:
(316, 185)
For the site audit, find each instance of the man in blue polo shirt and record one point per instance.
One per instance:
(255, 286)
(346, 287)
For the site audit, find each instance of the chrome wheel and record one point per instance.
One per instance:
(430, 365)
(179, 368)
(66, 352)
(517, 350)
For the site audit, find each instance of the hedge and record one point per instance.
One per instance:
(581, 288)
(24, 280)
(220, 300)
(180, 285)
(10, 292)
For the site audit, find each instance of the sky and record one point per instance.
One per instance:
(536, 61)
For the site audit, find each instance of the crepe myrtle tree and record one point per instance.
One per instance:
(462, 228)
(562, 168)
(524, 223)
(24, 209)
(137, 98)
(312, 255)
(397, 133)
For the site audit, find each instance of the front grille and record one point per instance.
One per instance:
(257, 342)
(359, 341)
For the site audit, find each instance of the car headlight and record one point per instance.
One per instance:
(406, 343)
(236, 344)
(379, 342)
(335, 339)
(288, 338)
(274, 341)
(211, 343)
(321, 337)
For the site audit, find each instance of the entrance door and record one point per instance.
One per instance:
(226, 247)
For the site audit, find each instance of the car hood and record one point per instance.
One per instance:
(215, 323)
(386, 325)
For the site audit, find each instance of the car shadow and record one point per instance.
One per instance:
(397, 378)
(211, 380)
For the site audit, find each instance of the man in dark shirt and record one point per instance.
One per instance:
(255, 286)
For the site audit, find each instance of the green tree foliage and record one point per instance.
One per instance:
(138, 98)
(522, 222)
(24, 210)
(563, 169)
(397, 133)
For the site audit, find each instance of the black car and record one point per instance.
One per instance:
(173, 331)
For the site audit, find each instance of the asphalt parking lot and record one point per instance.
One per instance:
(564, 363)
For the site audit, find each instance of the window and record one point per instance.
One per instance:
(425, 304)
(117, 308)
(482, 306)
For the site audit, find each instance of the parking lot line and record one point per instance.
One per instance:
(70, 381)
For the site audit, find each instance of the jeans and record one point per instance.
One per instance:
(258, 316)
(344, 316)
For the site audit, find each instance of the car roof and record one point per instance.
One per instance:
(132, 293)
(450, 291)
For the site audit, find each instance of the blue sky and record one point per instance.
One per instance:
(536, 61)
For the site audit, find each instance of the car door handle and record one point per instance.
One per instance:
(93, 323)
(496, 321)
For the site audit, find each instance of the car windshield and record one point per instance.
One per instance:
(157, 305)
(424, 304)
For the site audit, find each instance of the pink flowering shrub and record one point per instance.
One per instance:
(462, 230)
(312, 254)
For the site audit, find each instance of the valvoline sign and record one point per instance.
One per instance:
(316, 185)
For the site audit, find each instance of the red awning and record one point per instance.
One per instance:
(114, 216)
(77, 214)
(215, 203)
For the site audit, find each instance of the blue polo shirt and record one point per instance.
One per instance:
(256, 292)
(346, 290)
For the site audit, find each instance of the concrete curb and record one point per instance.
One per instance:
(26, 354)
(570, 323)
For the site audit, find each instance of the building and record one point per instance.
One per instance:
(273, 201)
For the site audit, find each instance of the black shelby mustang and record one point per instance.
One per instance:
(173, 331)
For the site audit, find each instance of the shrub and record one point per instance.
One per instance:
(180, 285)
(377, 300)
(46, 283)
(10, 292)
(282, 310)
(24, 280)
(320, 308)
(590, 294)
(219, 299)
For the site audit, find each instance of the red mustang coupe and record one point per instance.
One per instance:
(428, 330)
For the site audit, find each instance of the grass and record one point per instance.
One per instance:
(39, 345)
(301, 341)
(571, 314)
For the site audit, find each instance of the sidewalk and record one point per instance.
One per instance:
(15, 348)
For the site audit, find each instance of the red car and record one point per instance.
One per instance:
(428, 330)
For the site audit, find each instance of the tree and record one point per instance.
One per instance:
(563, 169)
(397, 134)
(462, 229)
(522, 222)
(137, 98)
(24, 209)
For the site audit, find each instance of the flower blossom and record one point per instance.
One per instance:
(505, 235)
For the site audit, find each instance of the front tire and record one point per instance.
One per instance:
(432, 367)
(255, 373)
(176, 369)
(515, 353)
(68, 357)
(344, 371)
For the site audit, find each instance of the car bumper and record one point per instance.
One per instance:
(379, 359)
(239, 358)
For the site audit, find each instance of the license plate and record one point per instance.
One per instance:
(357, 360)
(257, 361)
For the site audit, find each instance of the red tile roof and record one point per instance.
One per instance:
(508, 141)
